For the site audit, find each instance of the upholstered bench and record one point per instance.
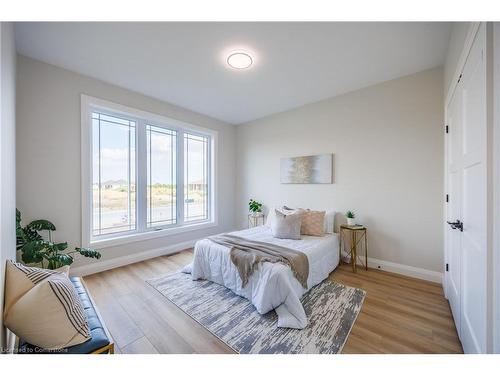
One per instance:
(100, 343)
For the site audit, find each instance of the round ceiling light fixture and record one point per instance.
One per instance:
(239, 60)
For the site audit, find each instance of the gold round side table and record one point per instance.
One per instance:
(357, 234)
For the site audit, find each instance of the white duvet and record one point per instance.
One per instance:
(272, 285)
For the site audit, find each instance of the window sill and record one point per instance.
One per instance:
(144, 236)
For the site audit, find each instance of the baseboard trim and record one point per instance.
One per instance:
(108, 264)
(402, 269)
(100, 266)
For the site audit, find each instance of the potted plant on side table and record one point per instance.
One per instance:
(350, 218)
(255, 208)
(255, 215)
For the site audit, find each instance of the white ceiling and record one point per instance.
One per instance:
(183, 63)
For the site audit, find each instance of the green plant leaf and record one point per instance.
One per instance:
(18, 218)
(20, 243)
(59, 260)
(60, 246)
(254, 206)
(32, 252)
(41, 225)
(20, 238)
(31, 234)
(25, 235)
(89, 253)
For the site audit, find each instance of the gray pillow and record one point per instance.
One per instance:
(286, 226)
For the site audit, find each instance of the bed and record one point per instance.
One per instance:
(272, 285)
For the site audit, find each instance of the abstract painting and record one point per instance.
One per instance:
(314, 169)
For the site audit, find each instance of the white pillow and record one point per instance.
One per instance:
(329, 221)
(286, 226)
(271, 216)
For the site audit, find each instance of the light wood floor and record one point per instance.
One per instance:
(399, 315)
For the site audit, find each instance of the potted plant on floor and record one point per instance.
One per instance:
(350, 218)
(35, 249)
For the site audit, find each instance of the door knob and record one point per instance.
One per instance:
(456, 225)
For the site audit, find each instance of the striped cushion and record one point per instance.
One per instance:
(43, 308)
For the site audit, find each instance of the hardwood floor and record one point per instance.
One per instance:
(399, 315)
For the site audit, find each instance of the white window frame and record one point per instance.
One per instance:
(90, 104)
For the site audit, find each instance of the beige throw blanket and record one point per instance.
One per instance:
(247, 254)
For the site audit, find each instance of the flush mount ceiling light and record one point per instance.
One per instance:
(239, 60)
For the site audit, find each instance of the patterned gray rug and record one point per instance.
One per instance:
(332, 309)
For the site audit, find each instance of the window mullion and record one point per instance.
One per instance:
(208, 172)
(180, 177)
(100, 178)
(141, 172)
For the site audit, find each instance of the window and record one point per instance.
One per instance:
(147, 175)
(161, 174)
(195, 177)
(113, 167)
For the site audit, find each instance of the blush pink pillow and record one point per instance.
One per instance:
(313, 223)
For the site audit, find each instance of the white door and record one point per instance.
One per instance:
(466, 252)
(454, 238)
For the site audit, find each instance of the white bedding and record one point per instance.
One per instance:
(272, 285)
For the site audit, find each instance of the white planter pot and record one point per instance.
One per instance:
(256, 214)
(351, 221)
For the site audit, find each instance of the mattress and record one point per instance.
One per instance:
(272, 285)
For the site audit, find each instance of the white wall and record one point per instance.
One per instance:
(388, 146)
(7, 156)
(48, 152)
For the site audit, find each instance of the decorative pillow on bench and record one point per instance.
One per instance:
(43, 308)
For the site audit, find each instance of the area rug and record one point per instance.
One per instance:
(331, 308)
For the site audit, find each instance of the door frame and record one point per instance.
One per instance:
(496, 188)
